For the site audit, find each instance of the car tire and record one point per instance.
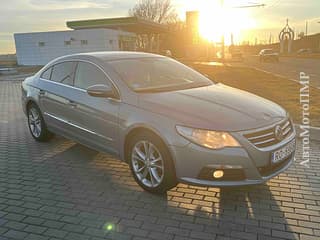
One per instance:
(151, 163)
(37, 125)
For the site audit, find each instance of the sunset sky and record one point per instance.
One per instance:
(246, 24)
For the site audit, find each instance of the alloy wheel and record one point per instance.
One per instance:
(147, 164)
(34, 120)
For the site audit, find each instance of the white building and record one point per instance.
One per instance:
(108, 34)
(41, 47)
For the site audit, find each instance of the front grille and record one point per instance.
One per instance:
(266, 137)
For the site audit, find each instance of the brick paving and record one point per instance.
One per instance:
(63, 190)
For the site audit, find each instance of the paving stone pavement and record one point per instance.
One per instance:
(63, 190)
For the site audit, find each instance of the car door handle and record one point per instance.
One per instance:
(42, 92)
(72, 104)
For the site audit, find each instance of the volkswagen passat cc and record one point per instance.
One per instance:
(168, 122)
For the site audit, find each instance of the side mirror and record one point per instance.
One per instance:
(101, 90)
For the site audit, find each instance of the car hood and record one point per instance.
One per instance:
(216, 107)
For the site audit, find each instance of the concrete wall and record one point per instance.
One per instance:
(8, 57)
(42, 47)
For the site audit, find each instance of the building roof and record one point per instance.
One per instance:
(129, 24)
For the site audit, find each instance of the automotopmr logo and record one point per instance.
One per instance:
(305, 120)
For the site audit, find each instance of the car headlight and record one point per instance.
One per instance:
(208, 139)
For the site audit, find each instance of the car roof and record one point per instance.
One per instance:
(109, 55)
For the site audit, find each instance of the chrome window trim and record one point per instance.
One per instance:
(77, 126)
(65, 85)
(86, 61)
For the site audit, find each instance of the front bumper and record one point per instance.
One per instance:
(247, 165)
(244, 182)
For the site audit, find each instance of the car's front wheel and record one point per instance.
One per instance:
(37, 126)
(151, 163)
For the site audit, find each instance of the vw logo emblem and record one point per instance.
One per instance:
(278, 133)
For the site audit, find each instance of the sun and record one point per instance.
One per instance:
(216, 21)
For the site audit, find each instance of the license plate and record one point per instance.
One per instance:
(283, 152)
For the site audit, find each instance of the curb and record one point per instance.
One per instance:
(314, 132)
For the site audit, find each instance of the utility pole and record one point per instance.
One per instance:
(319, 41)
(222, 37)
(306, 28)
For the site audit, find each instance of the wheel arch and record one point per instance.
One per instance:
(141, 128)
(29, 102)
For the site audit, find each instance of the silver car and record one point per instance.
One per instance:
(168, 122)
(268, 55)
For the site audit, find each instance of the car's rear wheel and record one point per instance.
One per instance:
(151, 163)
(37, 126)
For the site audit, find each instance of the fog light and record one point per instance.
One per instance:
(217, 174)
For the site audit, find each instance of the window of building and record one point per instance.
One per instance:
(110, 42)
(41, 44)
(84, 42)
(63, 72)
(47, 74)
(87, 75)
(67, 43)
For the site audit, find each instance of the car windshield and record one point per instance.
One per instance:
(157, 74)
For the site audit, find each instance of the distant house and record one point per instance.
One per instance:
(110, 34)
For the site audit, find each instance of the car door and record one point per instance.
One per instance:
(95, 118)
(55, 84)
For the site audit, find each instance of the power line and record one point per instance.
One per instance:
(251, 5)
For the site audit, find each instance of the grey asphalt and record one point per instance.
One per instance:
(289, 67)
(63, 190)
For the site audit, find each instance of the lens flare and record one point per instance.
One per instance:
(108, 227)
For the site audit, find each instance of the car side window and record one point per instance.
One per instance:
(88, 74)
(47, 74)
(63, 73)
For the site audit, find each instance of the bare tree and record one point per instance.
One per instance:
(159, 11)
